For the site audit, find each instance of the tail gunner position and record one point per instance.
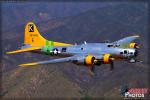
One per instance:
(88, 54)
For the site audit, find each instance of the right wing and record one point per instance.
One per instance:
(126, 41)
(67, 59)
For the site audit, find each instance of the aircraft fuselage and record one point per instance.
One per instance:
(94, 48)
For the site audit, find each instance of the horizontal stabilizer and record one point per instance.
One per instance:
(24, 50)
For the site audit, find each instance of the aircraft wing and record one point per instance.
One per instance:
(126, 41)
(24, 50)
(60, 60)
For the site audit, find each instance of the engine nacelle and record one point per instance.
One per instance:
(87, 60)
(133, 45)
(91, 60)
(106, 58)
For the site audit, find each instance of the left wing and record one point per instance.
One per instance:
(67, 59)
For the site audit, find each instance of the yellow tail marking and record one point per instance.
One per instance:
(33, 37)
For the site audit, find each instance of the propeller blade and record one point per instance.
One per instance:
(111, 65)
(91, 70)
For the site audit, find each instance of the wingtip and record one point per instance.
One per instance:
(27, 65)
(136, 36)
(23, 65)
(11, 52)
(8, 52)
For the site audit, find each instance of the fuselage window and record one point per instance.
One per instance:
(64, 49)
(121, 52)
(117, 45)
(125, 52)
(131, 52)
(110, 45)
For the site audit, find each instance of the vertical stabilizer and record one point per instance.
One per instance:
(32, 35)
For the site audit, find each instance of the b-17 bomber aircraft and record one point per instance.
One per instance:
(88, 54)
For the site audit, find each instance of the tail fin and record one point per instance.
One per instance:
(35, 40)
(32, 36)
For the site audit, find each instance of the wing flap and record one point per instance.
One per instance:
(24, 50)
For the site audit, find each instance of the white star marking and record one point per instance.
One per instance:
(55, 51)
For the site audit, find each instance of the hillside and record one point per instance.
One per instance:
(69, 80)
(22, 12)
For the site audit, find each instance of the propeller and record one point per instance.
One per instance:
(111, 65)
(92, 70)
